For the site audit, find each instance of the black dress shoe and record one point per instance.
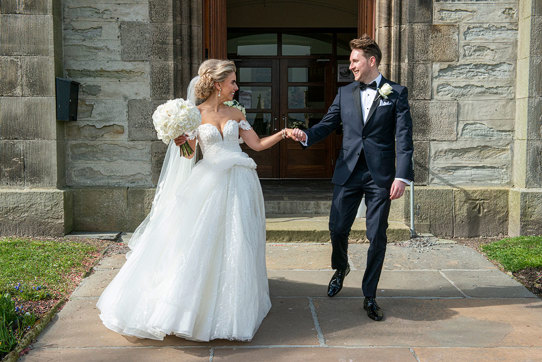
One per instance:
(336, 282)
(373, 310)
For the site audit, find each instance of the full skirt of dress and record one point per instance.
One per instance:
(198, 270)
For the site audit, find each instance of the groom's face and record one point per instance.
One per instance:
(361, 66)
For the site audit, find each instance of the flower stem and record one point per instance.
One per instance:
(186, 150)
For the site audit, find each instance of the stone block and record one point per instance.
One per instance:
(75, 131)
(81, 10)
(466, 90)
(433, 210)
(108, 174)
(40, 163)
(421, 162)
(38, 76)
(108, 151)
(482, 131)
(106, 50)
(26, 35)
(136, 40)
(420, 85)
(453, 13)
(162, 80)
(468, 162)
(418, 11)
(28, 118)
(534, 118)
(488, 52)
(487, 72)
(162, 41)
(525, 212)
(27, 7)
(103, 110)
(488, 112)
(10, 68)
(100, 209)
(112, 71)
(11, 163)
(419, 39)
(434, 120)
(139, 205)
(535, 72)
(534, 164)
(480, 212)
(91, 32)
(97, 89)
(35, 212)
(160, 11)
(140, 126)
(158, 152)
(537, 8)
(444, 43)
(523, 81)
(489, 32)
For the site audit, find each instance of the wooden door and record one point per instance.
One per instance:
(304, 97)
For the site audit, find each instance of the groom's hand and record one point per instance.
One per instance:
(298, 135)
(397, 189)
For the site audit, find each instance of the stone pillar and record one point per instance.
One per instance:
(31, 142)
(526, 195)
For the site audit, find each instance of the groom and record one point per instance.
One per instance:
(375, 160)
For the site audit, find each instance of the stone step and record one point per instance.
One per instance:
(315, 229)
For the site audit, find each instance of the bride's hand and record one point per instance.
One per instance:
(180, 140)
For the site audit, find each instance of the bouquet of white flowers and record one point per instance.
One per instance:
(175, 118)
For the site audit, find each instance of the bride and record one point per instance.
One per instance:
(196, 268)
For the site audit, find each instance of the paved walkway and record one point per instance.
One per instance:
(443, 301)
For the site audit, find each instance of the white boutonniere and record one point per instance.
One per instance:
(385, 90)
(237, 105)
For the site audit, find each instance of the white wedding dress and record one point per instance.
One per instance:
(198, 267)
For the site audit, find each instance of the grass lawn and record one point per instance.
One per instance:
(520, 255)
(34, 276)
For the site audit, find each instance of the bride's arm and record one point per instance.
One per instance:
(182, 139)
(259, 144)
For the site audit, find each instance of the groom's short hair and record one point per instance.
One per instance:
(369, 46)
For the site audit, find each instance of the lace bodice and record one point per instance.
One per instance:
(211, 141)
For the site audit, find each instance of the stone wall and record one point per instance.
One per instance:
(120, 52)
(31, 140)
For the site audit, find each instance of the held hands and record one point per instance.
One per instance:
(297, 135)
(397, 189)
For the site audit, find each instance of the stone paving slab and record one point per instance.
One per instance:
(118, 355)
(478, 354)
(93, 285)
(442, 302)
(314, 354)
(398, 283)
(435, 323)
(289, 322)
(487, 284)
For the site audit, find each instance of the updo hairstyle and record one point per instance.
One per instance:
(212, 71)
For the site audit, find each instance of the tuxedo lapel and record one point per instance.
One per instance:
(357, 101)
(373, 107)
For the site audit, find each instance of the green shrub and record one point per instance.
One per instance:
(14, 322)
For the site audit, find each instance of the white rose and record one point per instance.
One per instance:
(385, 90)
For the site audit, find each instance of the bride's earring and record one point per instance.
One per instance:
(219, 90)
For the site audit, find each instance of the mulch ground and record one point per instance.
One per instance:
(531, 278)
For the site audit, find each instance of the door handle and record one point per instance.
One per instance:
(275, 121)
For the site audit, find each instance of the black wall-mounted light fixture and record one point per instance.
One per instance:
(67, 97)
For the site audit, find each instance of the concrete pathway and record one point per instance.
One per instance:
(442, 301)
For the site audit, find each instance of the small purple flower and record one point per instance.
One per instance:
(16, 309)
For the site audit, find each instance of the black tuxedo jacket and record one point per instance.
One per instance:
(385, 138)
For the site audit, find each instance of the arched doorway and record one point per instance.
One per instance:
(291, 57)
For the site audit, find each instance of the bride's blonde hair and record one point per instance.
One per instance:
(211, 71)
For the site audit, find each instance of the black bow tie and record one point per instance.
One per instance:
(364, 86)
